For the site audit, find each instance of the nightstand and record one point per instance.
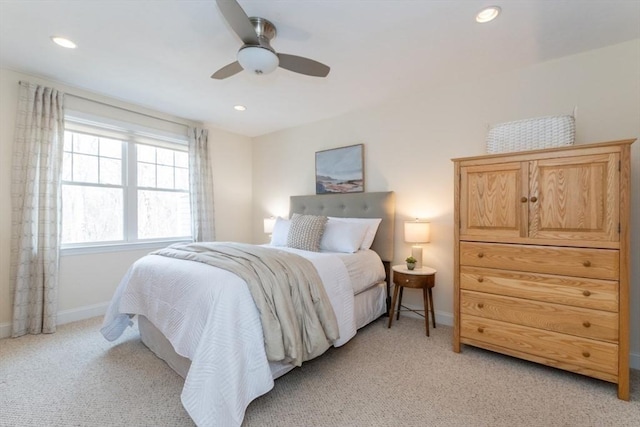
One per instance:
(420, 278)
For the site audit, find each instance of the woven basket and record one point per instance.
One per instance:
(531, 134)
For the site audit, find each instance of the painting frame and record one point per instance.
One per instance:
(340, 170)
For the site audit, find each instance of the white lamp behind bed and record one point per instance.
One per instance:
(268, 225)
(416, 232)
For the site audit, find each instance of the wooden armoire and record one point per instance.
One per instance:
(542, 257)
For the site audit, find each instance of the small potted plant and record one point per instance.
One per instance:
(411, 262)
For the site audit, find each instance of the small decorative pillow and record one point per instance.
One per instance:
(280, 232)
(305, 232)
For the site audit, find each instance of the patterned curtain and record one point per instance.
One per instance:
(36, 208)
(200, 187)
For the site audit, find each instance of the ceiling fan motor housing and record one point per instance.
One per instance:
(260, 59)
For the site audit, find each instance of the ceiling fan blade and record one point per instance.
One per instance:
(301, 65)
(227, 71)
(238, 20)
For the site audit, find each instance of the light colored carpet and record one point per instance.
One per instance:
(383, 377)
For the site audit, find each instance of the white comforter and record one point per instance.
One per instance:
(208, 315)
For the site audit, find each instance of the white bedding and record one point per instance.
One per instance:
(208, 316)
(365, 269)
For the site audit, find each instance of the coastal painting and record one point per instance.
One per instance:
(340, 170)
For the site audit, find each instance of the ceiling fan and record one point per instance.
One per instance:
(256, 54)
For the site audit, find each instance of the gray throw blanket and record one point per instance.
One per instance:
(298, 322)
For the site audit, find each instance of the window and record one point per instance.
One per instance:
(121, 186)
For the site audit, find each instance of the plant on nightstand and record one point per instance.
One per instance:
(411, 262)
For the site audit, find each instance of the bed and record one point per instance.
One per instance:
(213, 337)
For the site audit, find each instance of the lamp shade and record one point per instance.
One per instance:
(268, 225)
(416, 231)
(258, 60)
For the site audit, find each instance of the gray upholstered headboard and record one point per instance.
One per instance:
(354, 205)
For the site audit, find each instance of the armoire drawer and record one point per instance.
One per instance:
(566, 349)
(580, 292)
(577, 262)
(582, 322)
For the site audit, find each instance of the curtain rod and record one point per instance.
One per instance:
(126, 109)
(115, 106)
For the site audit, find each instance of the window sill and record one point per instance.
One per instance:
(118, 247)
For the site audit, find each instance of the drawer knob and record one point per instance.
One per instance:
(534, 199)
(586, 293)
(480, 254)
(406, 281)
(480, 305)
(480, 329)
(586, 324)
(586, 354)
(587, 263)
(480, 279)
(523, 199)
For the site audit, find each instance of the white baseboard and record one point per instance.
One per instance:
(82, 313)
(5, 330)
(634, 360)
(67, 316)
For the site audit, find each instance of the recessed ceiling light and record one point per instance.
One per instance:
(239, 107)
(488, 14)
(61, 41)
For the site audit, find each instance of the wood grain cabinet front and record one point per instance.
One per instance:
(542, 257)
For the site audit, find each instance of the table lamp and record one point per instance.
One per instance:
(268, 225)
(416, 232)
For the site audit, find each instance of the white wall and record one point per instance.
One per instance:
(87, 282)
(410, 140)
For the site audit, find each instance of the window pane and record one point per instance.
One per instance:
(87, 144)
(146, 175)
(110, 171)
(165, 157)
(85, 168)
(165, 177)
(67, 165)
(146, 154)
(68, 141)
(182, 179)
(91, 214)
(163, 214)
(182, 159)
(111, 148)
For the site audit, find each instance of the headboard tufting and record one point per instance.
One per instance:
(354, 205)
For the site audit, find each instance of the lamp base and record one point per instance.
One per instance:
(416, 252)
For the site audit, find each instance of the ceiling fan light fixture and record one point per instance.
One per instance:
(257, 59)
(488, 14)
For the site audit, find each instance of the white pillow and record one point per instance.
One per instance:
(372, 228)
(280, 232)
(341, 236)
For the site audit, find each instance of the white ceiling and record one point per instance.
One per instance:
(160, 54)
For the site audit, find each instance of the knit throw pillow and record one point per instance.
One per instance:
(305, 232)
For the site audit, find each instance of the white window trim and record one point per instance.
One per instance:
(82, 249)
(133, 134)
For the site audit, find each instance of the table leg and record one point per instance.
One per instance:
(425, 297)
(393, 304)
(399, 303)
(433, 310)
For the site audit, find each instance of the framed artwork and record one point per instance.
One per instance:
(340, 170)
